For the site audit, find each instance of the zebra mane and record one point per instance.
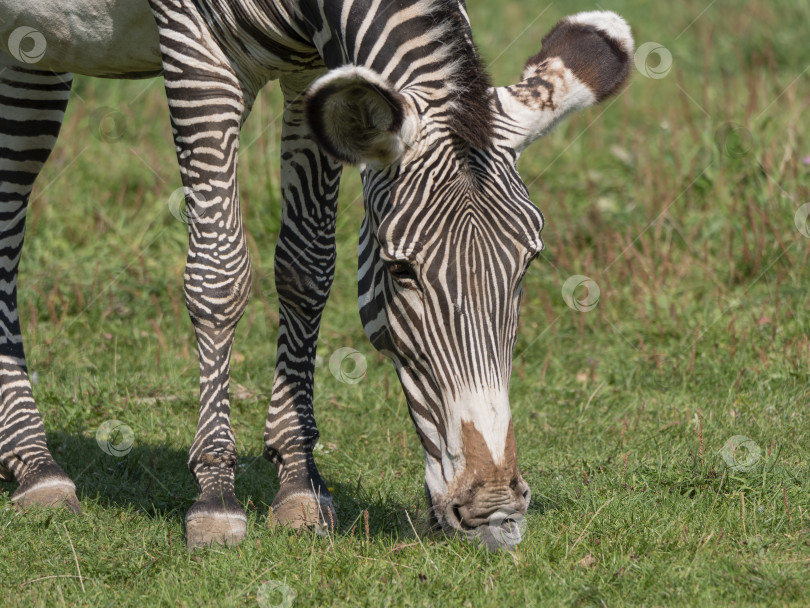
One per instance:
(470, 113)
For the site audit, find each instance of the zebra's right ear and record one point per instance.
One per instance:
(585, 59)
(355, 116)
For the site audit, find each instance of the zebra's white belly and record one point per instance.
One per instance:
(91, 37)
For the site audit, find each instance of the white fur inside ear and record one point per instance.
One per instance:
(358, 117)
(348, 74)
(608, 22)
(409, 133)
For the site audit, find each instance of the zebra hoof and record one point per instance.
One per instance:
(206, 529)
(47, 493)
(305, 511)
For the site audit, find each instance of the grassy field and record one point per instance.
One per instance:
(678, 199)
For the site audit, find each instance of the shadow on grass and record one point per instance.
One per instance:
(154, 480)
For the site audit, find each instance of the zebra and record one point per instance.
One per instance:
(395, 87)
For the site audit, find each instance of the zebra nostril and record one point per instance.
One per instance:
(460, 519)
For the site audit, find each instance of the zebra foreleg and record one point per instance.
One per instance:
(304, 268)
(207, 105)
(32, 105)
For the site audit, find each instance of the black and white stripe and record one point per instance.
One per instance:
(32, 106)
(395, 87)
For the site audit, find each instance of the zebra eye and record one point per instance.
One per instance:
(528, 265)
(402, 272)
(519, 288)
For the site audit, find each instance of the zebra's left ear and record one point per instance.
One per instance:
(584, 59)
(355, 116)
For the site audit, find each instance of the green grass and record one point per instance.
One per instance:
(621, 413)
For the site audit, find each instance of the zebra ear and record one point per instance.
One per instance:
(355, 116)
(584, 59)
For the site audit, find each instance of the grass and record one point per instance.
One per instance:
(677, 199)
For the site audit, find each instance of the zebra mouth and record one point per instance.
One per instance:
(504, 529)
(502, 532)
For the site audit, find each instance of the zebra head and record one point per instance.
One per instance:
(449, 233)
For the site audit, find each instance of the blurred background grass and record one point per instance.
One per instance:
(677, 198)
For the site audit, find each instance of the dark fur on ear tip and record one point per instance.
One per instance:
(599, 61)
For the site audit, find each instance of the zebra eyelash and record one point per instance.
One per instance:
(527, 264)
(402, 272)
(519, 285)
